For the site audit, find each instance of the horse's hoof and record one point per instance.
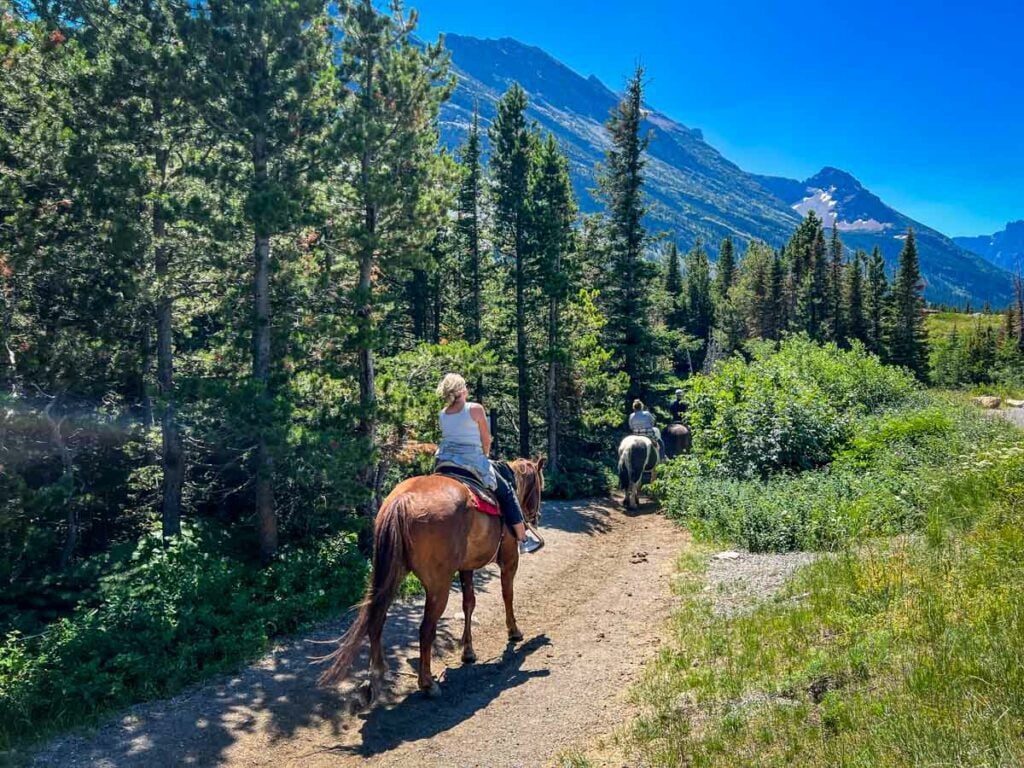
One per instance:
(434, 691)
(468, 657)
(515, 636)
(365, 694)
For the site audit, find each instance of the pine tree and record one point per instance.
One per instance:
(269, 66)
(853, 299)
(756, 291)
(779, 316)
(552, 215)
(876, 303)
(906, 337)
(675, 313)
(1018, 293)
(512, 142)
(806, 283)
(836, 321)
(700, 307)
(146, 61)
(469, 226)
(627, 293)
(725, 274)
(391, 205)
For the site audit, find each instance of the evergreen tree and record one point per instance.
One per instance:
(627, 293)
(469, 229)
(512, 143)
(756, 291)
(806, 284)
(836, 321)
(876, 303)
(269, 66)
(1018, 293)
(700, 307)
(779, 318)
(855, 321)
(725, 274)
(675, 311)
(906, 337)
(390, 204)
(552, 215)
(141, 120)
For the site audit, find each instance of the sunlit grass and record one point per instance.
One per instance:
(899, 651)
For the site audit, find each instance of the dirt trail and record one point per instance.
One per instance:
(591, 606)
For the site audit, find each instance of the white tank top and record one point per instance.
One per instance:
(460, 428)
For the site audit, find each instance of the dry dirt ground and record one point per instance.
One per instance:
(592, 606)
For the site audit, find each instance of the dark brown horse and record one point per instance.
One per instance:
(430, 525)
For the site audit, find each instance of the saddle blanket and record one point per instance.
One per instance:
(484, 498)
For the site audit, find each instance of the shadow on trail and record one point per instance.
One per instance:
(465, 690)
(645, 508)
(586, 516)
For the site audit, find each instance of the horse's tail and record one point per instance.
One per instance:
(625, 471)
(388, 570)
(640, 456)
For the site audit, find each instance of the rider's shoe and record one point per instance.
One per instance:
(529, 546)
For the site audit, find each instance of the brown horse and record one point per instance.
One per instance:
(430, 525)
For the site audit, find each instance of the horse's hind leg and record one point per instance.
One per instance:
(508, 575)
(468, 604)
(437, 600)
(378, 667)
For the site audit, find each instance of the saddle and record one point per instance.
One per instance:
(483, 497)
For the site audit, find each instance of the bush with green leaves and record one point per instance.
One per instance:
(789, 409)
(168, 617)
(877, 484)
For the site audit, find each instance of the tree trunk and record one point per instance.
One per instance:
(521, 361)
(265, 513)
(172, 454)
(366, 427)
(552, 399)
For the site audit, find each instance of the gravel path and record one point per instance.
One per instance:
(737, 581)
(592, 605)
(1013, 415)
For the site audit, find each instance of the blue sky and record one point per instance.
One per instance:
(921, 101)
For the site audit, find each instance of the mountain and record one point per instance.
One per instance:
(1004, 249)
(693, 192)
(953, 274)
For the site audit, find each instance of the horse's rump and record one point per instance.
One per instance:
(637, 455)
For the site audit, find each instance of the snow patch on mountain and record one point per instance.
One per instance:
(826, 208)
(863, 225)
(822, 203)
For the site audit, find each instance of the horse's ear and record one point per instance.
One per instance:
(540, 462)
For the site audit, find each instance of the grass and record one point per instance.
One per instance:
(943, 323)
(897, 650)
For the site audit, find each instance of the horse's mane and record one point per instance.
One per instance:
(530, 478)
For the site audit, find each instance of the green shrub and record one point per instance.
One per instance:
(787, 410)
(171, 616)
(881, 482)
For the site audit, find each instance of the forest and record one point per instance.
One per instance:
(234, 262)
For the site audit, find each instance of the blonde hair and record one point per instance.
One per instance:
(450, 387)
(638, 404)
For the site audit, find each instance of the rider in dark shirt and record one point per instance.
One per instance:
(678, 407)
